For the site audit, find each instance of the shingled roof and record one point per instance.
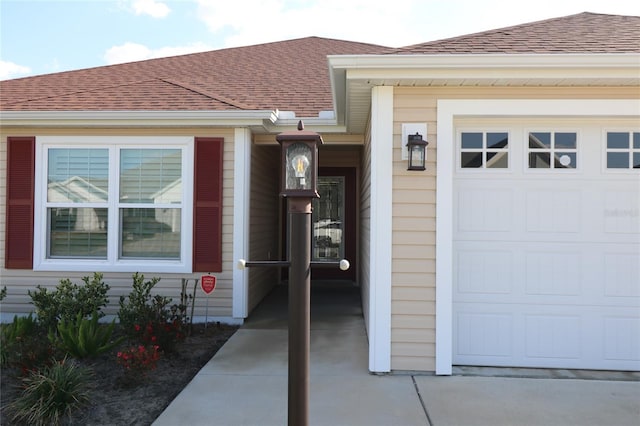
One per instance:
(288, 75)
(582, 33)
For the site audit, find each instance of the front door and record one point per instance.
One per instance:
(334, 222)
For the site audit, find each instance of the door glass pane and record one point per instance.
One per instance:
(497, 140)
(77, 232)
(151, 176)
(328, 220)
(617, 160)
(617, 140)
(149, 233)
(539, 140)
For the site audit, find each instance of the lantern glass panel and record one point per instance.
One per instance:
(298, 167)
(416, 156)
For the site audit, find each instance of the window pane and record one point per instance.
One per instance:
(565, 140)
(636, 140)
(636, 160)
(617, 140)
(539, 160)
(471, 141)
(565, 160)
(77, 175)
(497, 160)
(617, 160)
(77, 232)
(497, 140)
(150, 176)
(471, 159)
(538, 140)
(149, 233)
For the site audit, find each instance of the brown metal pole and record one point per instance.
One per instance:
(299, 310)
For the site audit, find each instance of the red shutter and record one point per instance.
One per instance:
(207, 205)
(19, 214)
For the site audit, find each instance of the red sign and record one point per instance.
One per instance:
(208, 283)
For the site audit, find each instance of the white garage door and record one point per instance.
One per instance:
(547, 244)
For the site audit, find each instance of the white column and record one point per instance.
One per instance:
(381, 220)
(241, 201)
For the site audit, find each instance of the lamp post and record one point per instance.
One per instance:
(299, 186)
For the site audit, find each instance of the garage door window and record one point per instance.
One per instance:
(553, 150)
(484, 150)
(623, 150)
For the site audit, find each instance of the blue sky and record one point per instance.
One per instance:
(45, 36)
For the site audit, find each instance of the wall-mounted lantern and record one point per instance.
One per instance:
(417, 152)
(299, 162)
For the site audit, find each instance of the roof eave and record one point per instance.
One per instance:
(159, 119)
(617, 69)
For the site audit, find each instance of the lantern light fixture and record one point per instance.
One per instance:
(299, 162)
(417, 152)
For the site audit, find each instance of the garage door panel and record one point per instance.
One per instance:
(485, 210)
(622, 275)
(546, 336)
(622, 212)
(550, 211)
(621, 338)
(547, 261)
(485, 271)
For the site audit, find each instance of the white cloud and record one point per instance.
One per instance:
(130, 52)
(374, 21)
(153, 8)
(390, 23)
(10, 70)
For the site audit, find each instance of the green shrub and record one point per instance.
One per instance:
(69, 299)
(51, 394)
(24, 344)
(151, 319)
(84, 337)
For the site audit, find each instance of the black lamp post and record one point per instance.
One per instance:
(299, 186)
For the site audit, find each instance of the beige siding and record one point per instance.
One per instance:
(264, 225)
(365, 227)
(18, 282)
(414, 222)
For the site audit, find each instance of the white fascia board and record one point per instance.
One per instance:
(477, 66)
(138, 118)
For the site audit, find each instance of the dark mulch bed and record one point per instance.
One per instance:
(115, 401)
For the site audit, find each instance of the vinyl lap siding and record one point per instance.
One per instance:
(18, 282)
(365, 225)
(264, 220)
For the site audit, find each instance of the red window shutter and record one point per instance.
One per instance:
(19, 206)
(207, 205)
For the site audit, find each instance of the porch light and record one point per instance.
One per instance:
(417, 152)
(299, 162)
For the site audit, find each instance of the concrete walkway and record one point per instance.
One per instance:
(245, 383)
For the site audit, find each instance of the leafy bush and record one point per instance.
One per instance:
(84, 338)
(68, 300)
(22, 344)
(151, 319)
(51, 394)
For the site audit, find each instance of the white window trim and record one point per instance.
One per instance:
(112, 263)
(448, 111)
